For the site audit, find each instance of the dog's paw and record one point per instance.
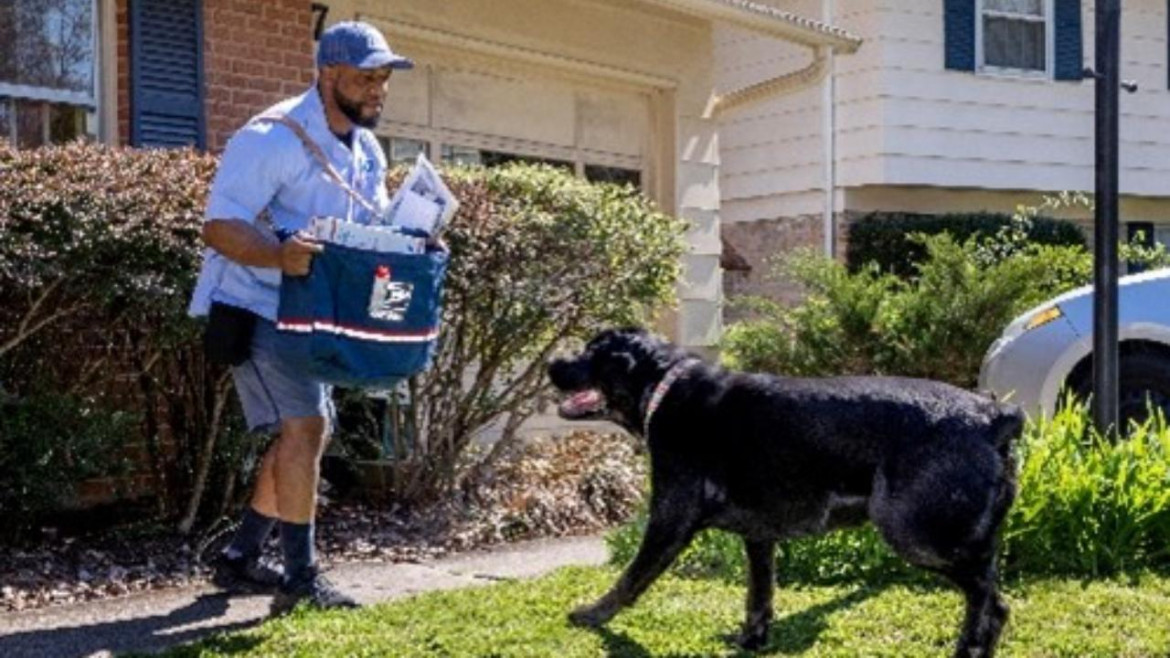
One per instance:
(753, 640)
(590, 616)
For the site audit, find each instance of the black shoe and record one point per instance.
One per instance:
(311, 588)
(245, 574)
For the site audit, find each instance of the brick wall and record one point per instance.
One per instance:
(255, 54)
(762, 244)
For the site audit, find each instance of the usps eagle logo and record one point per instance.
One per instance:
(389, 299)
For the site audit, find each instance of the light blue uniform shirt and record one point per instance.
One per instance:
(266, 166)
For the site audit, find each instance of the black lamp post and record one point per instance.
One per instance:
(1105, 267)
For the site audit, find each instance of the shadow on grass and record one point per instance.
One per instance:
(223, 644)
(621, 645)
(798, 632)
(794, 633)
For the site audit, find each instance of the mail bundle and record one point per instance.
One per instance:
(367, 314)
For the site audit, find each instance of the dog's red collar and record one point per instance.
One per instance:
(660, 391)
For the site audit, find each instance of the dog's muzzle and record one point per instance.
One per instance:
(589, 403)
(582, 401)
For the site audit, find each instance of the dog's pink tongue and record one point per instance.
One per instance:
(582, 402)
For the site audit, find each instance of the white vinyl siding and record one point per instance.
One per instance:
(904, 120)
(773, 150)
(944, 129)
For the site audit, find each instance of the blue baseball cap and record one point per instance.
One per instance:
(359, 45)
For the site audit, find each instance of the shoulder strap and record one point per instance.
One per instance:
(318, 155)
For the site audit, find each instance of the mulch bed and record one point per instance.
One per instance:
(577, 484)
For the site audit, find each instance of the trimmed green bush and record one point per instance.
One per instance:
(50, 443)
(100, 246)
(1086, 507)
(538, 257)
(936, 325)
(885, 238)
(99, 249)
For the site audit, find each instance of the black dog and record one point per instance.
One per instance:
(771, 458)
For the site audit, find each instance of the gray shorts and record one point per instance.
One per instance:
(271, 389)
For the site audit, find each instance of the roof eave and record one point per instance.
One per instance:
(781, 24)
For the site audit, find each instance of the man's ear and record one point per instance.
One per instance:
(328, 75)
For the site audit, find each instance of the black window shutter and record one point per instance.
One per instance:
(1070, 64)
(960, 34)
(166, 73)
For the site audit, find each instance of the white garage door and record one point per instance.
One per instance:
(490, 115)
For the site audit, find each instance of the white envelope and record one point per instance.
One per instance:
(423, 202)
(416, 212)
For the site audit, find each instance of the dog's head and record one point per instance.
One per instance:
(613, 376)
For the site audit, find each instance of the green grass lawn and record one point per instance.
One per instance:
(683, 618)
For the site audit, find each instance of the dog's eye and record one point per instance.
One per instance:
(620, 362)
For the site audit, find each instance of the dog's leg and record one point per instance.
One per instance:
(673, 523)
(951, 535)
(986, 611)
(761, 557)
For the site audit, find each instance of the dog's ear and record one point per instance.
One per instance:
(618, 365)
(627, 360)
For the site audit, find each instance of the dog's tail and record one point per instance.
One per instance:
(1006, 428)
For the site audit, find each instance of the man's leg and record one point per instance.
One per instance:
(297, 470)
(240, 568)
(264, 495)
(276, 396)
(302, 440)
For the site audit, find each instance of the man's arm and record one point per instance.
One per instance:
(243, 243)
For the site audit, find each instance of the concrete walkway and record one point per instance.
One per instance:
(153, 621)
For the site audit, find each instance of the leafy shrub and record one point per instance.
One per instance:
(1086, 507)
(938, 321)
(49, 443)
(936, 325)
(94, 243)
(885, 238)
(538, 257)
(100, 246)
(1090, 506)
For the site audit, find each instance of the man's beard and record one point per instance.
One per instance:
(353, 111)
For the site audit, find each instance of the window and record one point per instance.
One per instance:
(48, 70)
(478, 157)
(615, 175)
(400, 150)
(620, 170)
(461, 155)
(1162, 235)
(1014, 35)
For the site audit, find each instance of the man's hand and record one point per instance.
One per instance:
(243, 243)
(296, 254)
